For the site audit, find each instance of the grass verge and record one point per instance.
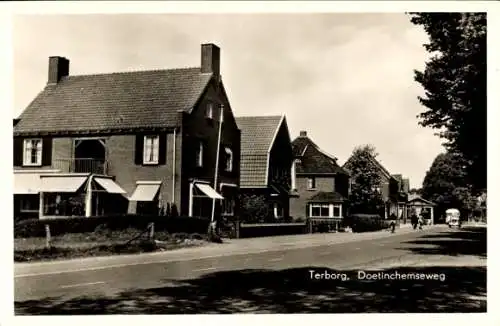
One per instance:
(94, 244)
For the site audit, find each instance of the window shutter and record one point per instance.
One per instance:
(18, 151)
(139, 148)
(47, 151)
(163, 149)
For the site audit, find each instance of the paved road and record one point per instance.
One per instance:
(48, 288)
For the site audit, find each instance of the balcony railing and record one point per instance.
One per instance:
(82, 165)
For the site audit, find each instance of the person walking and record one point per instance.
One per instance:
(414, 221)
(420, 222)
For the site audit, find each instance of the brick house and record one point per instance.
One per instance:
(392, 189)
(266, 158)
(320, 187)
(135, 142)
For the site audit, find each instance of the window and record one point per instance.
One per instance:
(337, 211)
(292, 174)
(151, 149)
(29, 204)
(32, 152)
(319, 210)
(228, 207)
(229, 159)
(278, 210)
(209, 111)
(199, 155)
(311, 183)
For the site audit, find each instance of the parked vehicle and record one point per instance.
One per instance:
(453, 218)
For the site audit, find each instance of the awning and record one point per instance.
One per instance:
(61, 183)
(145, 192)
(110, 186)
(26, 183)
(209, 191)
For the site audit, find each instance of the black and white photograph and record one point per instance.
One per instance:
(182, 163)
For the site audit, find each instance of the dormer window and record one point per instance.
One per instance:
(32, 154)
(229, 159)
(209, 111)
(151, 149)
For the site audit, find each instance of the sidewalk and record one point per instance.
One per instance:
(228, 248)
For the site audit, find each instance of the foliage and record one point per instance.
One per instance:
(365, 194)
(445, 183)
(254, 209)
(365, 222)
(36, 227)
(454, 81)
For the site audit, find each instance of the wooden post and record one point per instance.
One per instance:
(47, 236)
(151, 231)
(237, 228)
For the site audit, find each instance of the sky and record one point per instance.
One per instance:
(346, 79)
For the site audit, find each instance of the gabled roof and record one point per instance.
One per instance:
(257, 138)
(115, 101)
(377, 163)
(312, 159)
(418, 198)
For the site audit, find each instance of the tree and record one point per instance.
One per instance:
(254, 208)
(454, 81)
(445, 183)
(365, 194)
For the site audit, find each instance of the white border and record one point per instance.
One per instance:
(9, 9)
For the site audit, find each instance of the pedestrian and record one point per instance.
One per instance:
(420, 222)
(414, 221)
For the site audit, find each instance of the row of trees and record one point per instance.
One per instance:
(454, 80)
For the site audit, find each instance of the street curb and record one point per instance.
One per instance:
(185, 254)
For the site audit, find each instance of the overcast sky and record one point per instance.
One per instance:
(347, 79)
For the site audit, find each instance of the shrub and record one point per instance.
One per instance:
(365, 222)
(36, 227)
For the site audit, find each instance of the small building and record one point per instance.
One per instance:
(421, 207)
(266, 158)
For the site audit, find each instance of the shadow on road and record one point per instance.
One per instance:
(464, 241)
(286, 291)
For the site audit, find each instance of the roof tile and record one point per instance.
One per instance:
(139, 99)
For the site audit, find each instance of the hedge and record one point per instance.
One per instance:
(268, 230)
(365, 222)
(36, 227)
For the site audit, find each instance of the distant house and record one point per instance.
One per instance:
(392, 188)
(266, 158)
(421, 207)
(320, 187)
(137, 142)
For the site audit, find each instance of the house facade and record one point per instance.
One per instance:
(320, 187)
(266, 159)
(393, 188)
(138, 142)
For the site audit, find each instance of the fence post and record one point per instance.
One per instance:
(47, 236)
(151, 231)
(237, 228)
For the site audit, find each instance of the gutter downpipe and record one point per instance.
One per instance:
(174, 167)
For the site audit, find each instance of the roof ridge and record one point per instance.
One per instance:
(137, 71)
(260, 116)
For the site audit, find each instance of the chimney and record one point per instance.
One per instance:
(210, 59)
(58, 68)
(303, 133)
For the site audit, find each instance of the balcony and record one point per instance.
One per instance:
(82, 165)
